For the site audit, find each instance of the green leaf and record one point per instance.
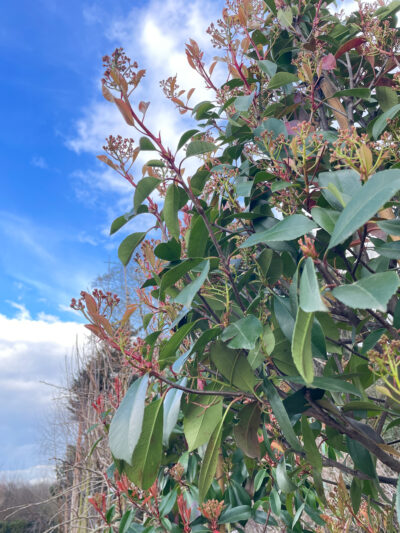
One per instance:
(347, 183)
(126, 521)
(169, 251)
(187, 294)
(155, 163)
(199, 179)
(310, 298)
(283, 480)
(260, 476)
(280, 414)
(168, 351)
(388, 249)
(273, 126)
(200, 147)
(207, 336)
(285, 17)
(198, 236)
(201, 110)
(110, 514)
(298, 514)
(381, 122)
(362, 406)
(275, 502)
(146, 145)
(129, 245)
(235, 514)
(329, 384)
(337, 194)
(378, 190)
(126, 425)
(289, 228)
(119, 222)
(233, 366)
(280, 79)
(361, 457)
(355, 494)
(326, 218)
(301, 345)
(312, 453)
(372, 292)
(201, 416)
(266, 346)
(284, 316)
(175, 199)
(167, 502)
(143, 189)
(371, 340)
(176, 273)
(387, 97)
(242, 103)
(243, 186)
(172, 403)
(146, 458)
(210, 461)
(271, 5)
(243, 333)
(358, 92)
(391, 227)
(385, 11)
(246, 431)
(267, 67)
(185, 137)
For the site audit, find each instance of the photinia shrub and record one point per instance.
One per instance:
(266, 383)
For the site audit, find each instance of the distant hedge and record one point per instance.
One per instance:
(16, 526)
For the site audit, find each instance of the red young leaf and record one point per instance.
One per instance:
(125, 111)
(143, 106)
(107, 94)
(328, 62)
(105, 324)
(353, 43)
(129, 311)
(385, 82)
(91, 305)
(96, 330)
(107, 161)
(290, 125)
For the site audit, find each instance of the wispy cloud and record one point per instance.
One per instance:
(40, 162)
(57, 268)
(23, 314)
(14, 227)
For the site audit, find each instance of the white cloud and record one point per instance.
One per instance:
(44, 317)
(33, 475)
(32, 351)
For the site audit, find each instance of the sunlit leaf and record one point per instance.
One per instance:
(126, 425)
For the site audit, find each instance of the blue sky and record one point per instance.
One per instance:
(51, 58)
(57, 200)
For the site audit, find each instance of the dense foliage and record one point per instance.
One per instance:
(266, 385)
